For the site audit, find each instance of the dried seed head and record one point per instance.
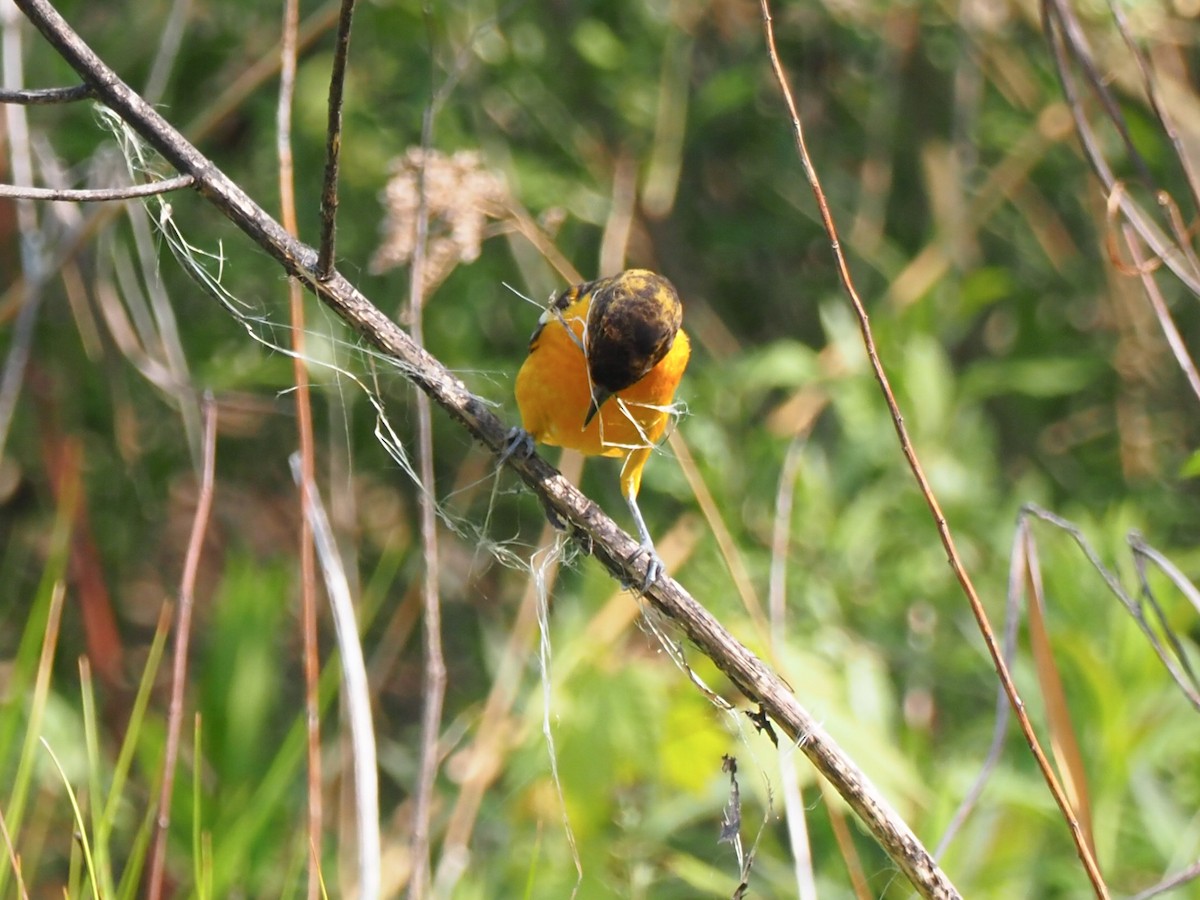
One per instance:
(460, 195)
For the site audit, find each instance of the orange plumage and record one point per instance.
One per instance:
(601, 374)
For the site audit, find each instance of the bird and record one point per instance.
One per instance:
(603, 366)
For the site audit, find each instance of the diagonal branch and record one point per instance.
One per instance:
(615, 550)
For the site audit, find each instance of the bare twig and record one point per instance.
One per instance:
(333, 141)
(45, 96)
(612, 547)
(187, 588)
(939, 518)
(98, 195)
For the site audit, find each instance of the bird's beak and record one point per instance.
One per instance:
(599, 395)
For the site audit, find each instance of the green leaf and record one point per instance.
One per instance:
(1046, 377)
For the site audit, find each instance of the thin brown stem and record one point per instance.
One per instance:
(183, 629)
(910, 455)
(308, 563)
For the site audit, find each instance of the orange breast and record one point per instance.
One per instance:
(553, 395)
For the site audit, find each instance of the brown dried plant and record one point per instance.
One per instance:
(460, 196)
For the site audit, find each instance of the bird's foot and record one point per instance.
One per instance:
(518, 442)
(654, 565)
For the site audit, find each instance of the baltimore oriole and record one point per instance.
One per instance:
(601, 374)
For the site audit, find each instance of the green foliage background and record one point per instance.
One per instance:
(1028, 367)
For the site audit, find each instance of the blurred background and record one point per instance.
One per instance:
(1027, 359)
